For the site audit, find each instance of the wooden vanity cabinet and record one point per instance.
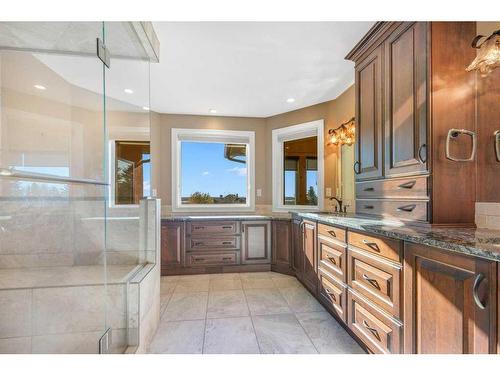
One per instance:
(450, 302)
(172, 245)
(297, 252)
(255, 242)
(282, 246)
(309, 240)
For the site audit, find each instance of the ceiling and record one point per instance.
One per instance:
(251, 68)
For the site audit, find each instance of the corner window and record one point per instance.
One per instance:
(298, 167)
(130, 172)
(212, 169)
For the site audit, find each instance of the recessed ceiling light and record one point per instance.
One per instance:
(145, 108)
(40, 87)
(128, 91)
(290, 100)
(213, 111)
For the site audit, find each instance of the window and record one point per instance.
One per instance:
(298, 167)
(212, 169)
(130, 172)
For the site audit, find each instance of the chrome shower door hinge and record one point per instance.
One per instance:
(103, 53)
(105, 342)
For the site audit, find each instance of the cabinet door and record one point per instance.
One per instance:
(281, 250)
(369, 117)
(450, 302)
(297, 253)
(405, 100)
(310, 277)
(256, 242)
(172, 244)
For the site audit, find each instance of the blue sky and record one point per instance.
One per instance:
(204, 169)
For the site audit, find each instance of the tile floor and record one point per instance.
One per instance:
(262, 312)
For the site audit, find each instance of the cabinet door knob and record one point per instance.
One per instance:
(477, 282)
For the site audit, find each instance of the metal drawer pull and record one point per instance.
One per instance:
(477, 282)
(372, 282)
(408, 185)
(198, 243)
(369, 189)
(369, 207)
(332, 233)
(227, 258)
(454, 133)
(330, 293)
(497, 144)
(358, 170)
(371, 245)
(420, 158)
(226, 242)
(199, 259)
(407, 208)
(227, 227)
(373, 331)
(331, 259)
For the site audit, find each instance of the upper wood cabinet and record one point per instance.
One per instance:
(450, 302)
(172, 244)
(405, 100)
(256, 242)
(369, 117)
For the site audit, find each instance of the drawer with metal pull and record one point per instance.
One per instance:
(386, 247)
(211, 259)
(332, 233)
(380, 333)
(401, 209)
(334, 294)
(213, 243)
(376, 279)
(213, 227)
(332, 258)
(413, 188)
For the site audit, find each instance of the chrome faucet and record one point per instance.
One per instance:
(339, 201)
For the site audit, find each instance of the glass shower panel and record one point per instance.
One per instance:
(53, 296)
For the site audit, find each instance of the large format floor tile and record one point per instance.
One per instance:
(185, 337)
(230, 336)
(186, 306)
(327, 334)
(229, 283)
(266, 301)
(300, 300)
(282, 334)
(226, 303)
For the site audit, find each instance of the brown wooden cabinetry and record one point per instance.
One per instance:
(297, 253)
(450, 302)
(412, 87)
(309, 240)
(256, 242)
(282, 246)
(172, 245)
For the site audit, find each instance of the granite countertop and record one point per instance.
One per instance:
(482, 243)
(225, 216)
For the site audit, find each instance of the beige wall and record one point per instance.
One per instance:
(334, 112)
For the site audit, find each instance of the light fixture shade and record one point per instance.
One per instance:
(345, 134)
(488, 57)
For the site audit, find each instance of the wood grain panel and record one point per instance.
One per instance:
(172, 244)
(386, 247)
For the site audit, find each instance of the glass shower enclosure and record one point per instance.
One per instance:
(70, 251)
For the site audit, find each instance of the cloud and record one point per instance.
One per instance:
(238, 171)
(206, 173)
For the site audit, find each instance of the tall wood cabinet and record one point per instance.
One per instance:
(450, 302)
(281, 246)
(309, 245)
(411, 89)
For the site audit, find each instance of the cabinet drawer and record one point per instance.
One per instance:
(334, 294)
(400, 209)
(380, 333)
(213, 227)
(211, 259)
(413, 188)
(376, 279)
(332, 258)
(332, 232)
(211, 243)
(383, 246)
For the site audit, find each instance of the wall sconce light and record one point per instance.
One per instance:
(488, 57)
(345, 134)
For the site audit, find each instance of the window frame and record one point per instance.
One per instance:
(213, 136)
(112, 172)
(290, 133)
